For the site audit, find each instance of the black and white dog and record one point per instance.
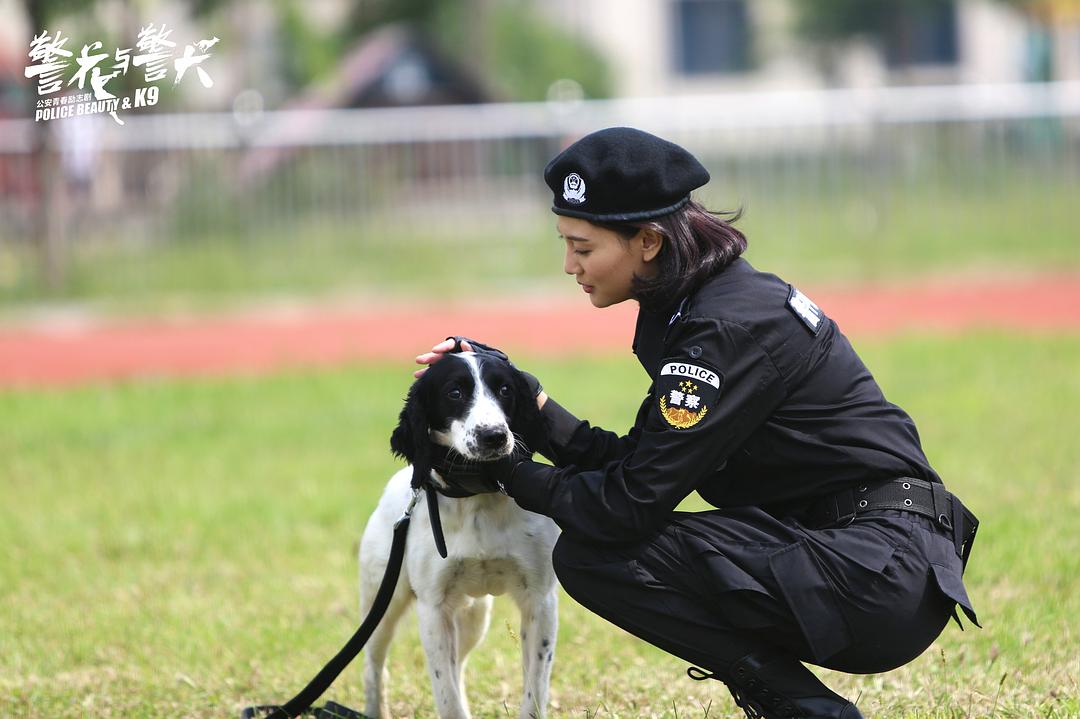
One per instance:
(481, 407)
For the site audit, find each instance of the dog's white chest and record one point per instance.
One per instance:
(477, 577)
(495, 548)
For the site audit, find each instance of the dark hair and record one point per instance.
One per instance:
(698, 243)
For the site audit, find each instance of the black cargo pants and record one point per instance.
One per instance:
(713, 587)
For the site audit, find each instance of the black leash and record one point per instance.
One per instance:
(301, 703)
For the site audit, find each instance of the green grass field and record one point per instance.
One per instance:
(183, 548)
(860, 230)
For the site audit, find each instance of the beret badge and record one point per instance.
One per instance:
(632, 176)
(574, 189)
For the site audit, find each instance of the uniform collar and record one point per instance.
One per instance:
(649, 335)
(649, 338)
(652, 325)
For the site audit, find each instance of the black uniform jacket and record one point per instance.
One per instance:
(757, 399)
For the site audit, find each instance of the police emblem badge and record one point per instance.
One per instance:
(686, 392)
(574, 189)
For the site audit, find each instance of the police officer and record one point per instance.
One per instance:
(833, 541)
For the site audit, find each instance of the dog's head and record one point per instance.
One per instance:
(478, 405)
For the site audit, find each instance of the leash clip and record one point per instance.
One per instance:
(409, 508)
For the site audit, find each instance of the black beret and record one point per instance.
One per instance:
(622, 175)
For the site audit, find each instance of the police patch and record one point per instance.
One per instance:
(805, 310)
(685, 392)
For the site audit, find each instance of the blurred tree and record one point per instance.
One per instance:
(506, 43)
(527, 54)
(369, 14)
(43, 12)
(842, 19)
(46, 229)
(307, 52)
(907, 31)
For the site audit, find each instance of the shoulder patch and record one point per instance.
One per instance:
(805, 310)
(686, 391)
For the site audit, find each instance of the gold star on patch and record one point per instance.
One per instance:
(688, 387)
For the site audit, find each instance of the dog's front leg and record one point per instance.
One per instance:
(539, 625)
(439, 636)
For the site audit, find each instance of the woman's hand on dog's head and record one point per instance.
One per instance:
(461, 344)
(436, 354)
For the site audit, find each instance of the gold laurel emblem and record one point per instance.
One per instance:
(679, 417)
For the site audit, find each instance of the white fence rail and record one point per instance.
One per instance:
(445, 171)
(674, 115)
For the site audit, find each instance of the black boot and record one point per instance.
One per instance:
(777, 686)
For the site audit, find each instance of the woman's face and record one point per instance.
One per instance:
(604, 263)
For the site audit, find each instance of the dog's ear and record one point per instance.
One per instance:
(409, 439)
(401, 439)
(528, 422)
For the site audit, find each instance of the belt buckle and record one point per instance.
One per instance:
(940, 498)
(845, 508)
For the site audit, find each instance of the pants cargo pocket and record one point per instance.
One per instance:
(952, 586)
(947, 571)
(811, 599)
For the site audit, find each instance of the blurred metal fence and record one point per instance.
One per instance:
(310, 182)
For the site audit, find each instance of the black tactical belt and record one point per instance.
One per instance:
(907, 494)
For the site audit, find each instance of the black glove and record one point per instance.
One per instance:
(472, 477)
(483, 349)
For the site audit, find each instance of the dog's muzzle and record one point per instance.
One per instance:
(463, 477)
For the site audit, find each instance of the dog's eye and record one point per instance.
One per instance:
(454, 394)
(505, 391)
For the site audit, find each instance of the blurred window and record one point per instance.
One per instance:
(924, 34)
(711, 36)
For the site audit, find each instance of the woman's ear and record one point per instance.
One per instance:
(651, 244)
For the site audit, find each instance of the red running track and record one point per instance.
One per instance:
(47, 354)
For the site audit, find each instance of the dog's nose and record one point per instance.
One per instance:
(490, 437)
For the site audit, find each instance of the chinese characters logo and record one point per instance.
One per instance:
(51, 63)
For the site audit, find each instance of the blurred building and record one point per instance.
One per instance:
(665, 47)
